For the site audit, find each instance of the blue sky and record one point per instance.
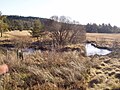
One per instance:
(84, 11)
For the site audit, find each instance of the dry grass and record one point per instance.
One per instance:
(105, 40)
(13, 34)
(106, 75)
(46, 71)
(18, 33)
(94, 36)
(60, 71)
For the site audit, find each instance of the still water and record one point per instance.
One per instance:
(92, 50)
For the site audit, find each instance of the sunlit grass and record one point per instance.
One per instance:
(46, 69)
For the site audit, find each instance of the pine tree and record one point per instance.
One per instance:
(3, 26)
(37, 29)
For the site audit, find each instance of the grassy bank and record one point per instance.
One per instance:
(61, 71)
(46, 71)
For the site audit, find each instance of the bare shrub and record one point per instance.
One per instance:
(63, 31)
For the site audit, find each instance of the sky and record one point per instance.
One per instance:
(84, 11)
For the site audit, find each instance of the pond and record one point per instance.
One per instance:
(27, 51)
(92, 50)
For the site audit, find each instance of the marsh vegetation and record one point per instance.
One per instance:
(59, 60)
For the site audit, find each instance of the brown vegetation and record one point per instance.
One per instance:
(60, 71)
(46, 71)
(105, 76)
(63, 31)
(104, 40)
(52, 70)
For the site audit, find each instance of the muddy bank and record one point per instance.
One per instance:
(101, 46)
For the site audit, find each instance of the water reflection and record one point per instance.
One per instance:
(92, 50)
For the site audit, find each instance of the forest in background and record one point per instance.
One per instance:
(104, 28)
(26, 23)
(23, 23)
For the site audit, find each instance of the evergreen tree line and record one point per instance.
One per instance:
(22, 23)
(104, 28)
(27, 23)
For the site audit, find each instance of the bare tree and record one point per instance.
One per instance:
(55, 18)
(65, 32)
